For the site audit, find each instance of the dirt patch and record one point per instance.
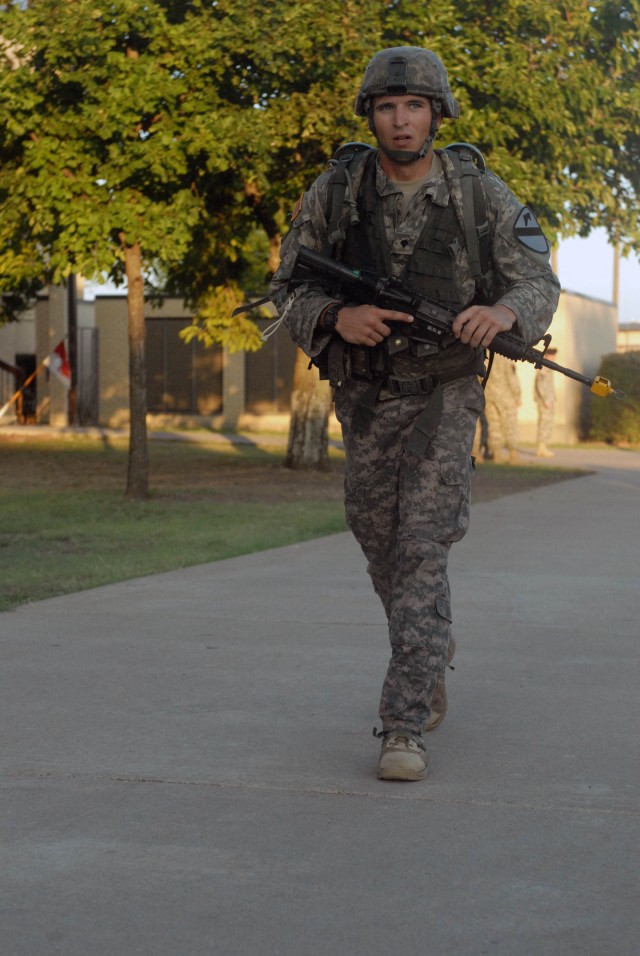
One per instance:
(185, 471)
(274, 483)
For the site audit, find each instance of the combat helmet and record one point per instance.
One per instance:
(403, 70)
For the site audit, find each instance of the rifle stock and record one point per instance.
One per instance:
(432, 321)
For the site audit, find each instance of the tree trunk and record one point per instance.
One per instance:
(138, 467)
(308, 445)
(72, 332)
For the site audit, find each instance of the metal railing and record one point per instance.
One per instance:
(11, 379)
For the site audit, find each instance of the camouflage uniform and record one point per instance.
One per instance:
(406, 511)
(502, 395)
(545, 396)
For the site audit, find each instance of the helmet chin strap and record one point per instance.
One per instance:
(404, 157)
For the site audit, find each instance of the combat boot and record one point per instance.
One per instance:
(402, 757)
(439, 701)
(543, 452)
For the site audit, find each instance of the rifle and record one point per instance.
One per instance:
(431, 327)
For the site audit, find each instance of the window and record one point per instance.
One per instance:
(181, 378)
(269, 373)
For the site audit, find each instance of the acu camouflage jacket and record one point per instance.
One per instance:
(521, 275)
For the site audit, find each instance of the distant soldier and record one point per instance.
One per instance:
(503, 395)
(479, 450)
(545, 398)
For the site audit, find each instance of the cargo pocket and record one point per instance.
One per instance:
(455, 482)
(443, 607)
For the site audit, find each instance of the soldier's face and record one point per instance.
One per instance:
(401, 122)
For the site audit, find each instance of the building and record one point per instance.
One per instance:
(629, 337)
(190, 386)
(583, 330)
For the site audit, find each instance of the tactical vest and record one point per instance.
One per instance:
(430, 267)
(355, 162)
(357, 237)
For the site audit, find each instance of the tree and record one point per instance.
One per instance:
(547, 93)
(300, 109)
(308, 442)
(176, 126)
(111, 123)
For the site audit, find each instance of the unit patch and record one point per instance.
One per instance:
(529, 234)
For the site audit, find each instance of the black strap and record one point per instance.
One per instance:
(337, 190)
(345, 162)
(469, 164)
(365, 409)
(427, 423)
(251, 305)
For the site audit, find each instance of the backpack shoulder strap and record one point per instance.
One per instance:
(470, 166)
(346, 159)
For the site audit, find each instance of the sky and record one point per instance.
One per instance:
(584, 266)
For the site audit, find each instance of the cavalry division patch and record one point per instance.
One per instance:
(529, 234)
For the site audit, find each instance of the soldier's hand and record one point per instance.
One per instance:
(479, 324)
(367, 324)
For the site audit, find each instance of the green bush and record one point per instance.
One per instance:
(616, 421)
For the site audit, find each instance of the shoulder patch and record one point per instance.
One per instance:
(529, 234)
(296, 208)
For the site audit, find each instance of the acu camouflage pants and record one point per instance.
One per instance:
(405, 513)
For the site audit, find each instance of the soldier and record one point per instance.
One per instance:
(545, 398)
(503, 396)
(409, 418)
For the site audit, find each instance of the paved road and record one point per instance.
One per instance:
(188, 769)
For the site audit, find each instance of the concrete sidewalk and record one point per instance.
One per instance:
(188, 767)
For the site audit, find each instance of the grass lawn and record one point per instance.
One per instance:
(66, 525)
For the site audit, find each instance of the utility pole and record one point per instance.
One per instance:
(616, 276)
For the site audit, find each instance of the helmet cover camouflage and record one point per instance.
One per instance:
(406, 70)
